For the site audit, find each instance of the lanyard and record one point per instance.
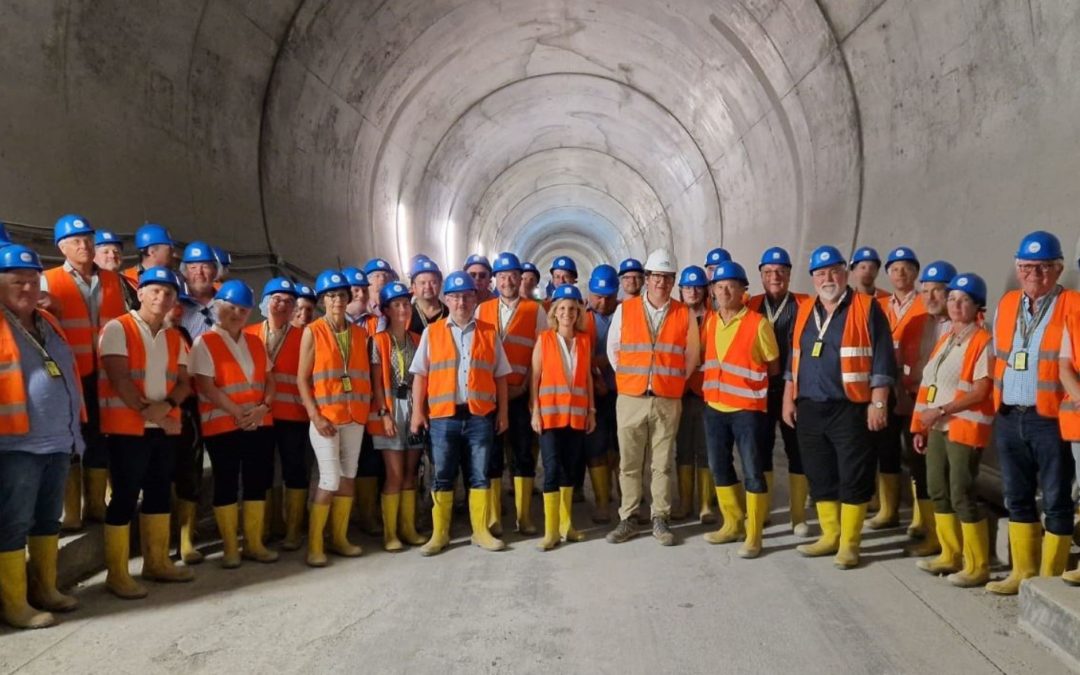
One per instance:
(280, 343)
(345, 349)
(773, 316)
(822, 327)
(1027, 329)
(953, 342)
(51, 367)
(399, 354)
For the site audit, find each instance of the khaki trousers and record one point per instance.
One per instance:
(647, 427)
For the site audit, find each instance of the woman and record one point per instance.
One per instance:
(233, 376)
(336, 388)
(392, 351)
(563, 410)
(951, 426)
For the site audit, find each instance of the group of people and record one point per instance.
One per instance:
(123, 378)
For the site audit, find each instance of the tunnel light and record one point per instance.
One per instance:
(402, 225)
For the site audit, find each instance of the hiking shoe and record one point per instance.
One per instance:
(624, 531)
(661, 532)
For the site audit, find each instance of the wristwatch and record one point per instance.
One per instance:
(879, 405)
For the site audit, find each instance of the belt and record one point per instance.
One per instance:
(1007, 409)
(462, 411)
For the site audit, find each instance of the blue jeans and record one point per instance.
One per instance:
(1033, 457)
(31, 496)
(561, 450)
(462, 441)
(742, 429)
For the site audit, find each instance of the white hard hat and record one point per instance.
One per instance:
(661, 261)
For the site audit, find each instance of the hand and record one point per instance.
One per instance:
(502, 422)
(170, 426)
(600, 386)
(324, 427)
(919, 440)
(876, 418)
(537, 422)
(389, 428)
(788, 412)
(157, 411)
(419, 421)
(931, 416)
(590, 422)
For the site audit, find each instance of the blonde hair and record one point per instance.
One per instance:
(579, 325)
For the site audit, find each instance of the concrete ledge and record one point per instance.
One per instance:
(1050, 612)
(82, 555)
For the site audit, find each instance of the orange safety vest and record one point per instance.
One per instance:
(737, 380)
(563, 403)
(640, 356)
(327, 383)
(1069, 413)
(131, 275)
(75, 316)
(971, 426)
(520, 336)
(856, 348)
(14, 417)
(442, 373)
(116, 416)
(383, 344)
(906, 335)
(229, 378)
(287, 405)
(696, 381)
(1049, 392)
(757, 303)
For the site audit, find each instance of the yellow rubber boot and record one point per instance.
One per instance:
(441, 512)
(340, 507)
(685, 481)
(768, 493)
(317, 517)
(117, 552)
(254, 527)
(947, 532)
(154, 536)
(888, 514)
(390, 506)
(228, 519)
(494, 510)
(479, 505)
(852, 518)
(757, 507)
(601, 486)
(920, 526)
(1025, 540)
(731, 511)
(976, 570)
(367, 497)
(185, 515)
(17, 612)
(523, 488)
(706, 491)
(1055, 554)
(41, 576)
(552, 505)
(73, 489)
(96, 484)
(798, 489)
(407, 520)
(566, 516)
(829, 542)
(931, 534)
(295, 506)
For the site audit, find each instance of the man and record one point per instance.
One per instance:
(713, 258)
(691, 457)
(839, 375)
(530, 279)
(459, 393)
(563, 271)
(379, 273)
(1028, 328)
(85, 298)
(740, 355)
(108, 251)
(865, 264)
(305, 306)
(518, 324)
(631, 277)
(653, 345)
(425, 277)
(199, 267)
(601, 447)
(358, 311)
(39, 433)
(780, 305)
(155, 246)
(478, 267)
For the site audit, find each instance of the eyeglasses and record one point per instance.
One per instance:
(662, 278)
(1030, 268)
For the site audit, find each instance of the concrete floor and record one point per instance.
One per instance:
(587, 607)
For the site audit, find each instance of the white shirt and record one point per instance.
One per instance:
(91, 292)
(463, 340)
(113, 342)
(202, 363)
(506, 312)
(569, 355)
(655, 316)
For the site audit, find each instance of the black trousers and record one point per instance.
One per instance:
(774, 417)
(519, 436)
(835, 443)
(140, 463)
(561, 451)
(371, 461)
(237, 456)
(886, 443)
(97, 448)
(294, 452)
(188, 467)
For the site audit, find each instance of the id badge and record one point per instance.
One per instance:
(931, 393)
(51, 368)
(816, 351)
(346, 383)
(1020, 361)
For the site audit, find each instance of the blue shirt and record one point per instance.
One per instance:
(198, 319)
(1018, 387)
(603, 323)
(53, 403)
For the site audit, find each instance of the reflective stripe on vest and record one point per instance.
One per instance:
(74, 315)
(14, 416)
(442, 374)
(735, 380)
(333, 402)
(563, 403)
(287, 404)
(971, 426)
(116, 416)
(519, 337)
(383, 344)
(229, 378)
(641, 356)
(856, 348)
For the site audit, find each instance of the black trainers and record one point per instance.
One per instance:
(624, 531)
(661, 532)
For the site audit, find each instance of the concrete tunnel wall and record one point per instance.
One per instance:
(328, 131)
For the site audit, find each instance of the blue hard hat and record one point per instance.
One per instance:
(566, 292)
(237, 293)
(775, 256)
(71, 225)
(564, 262)
(152, 234)
(417, 258)
(377, 265)
(972, 284)
(1039, 245)
(506, 262)
(865, 254)
(529, 267)
(279, 285)
(355, 276)
(693, 276)
(104, 237)
(604, 280)
(159, 275)
(423, 266)
(223, 257)
(18, 257)
(631, 265)
(476, 259)
(827, 256)
(198, 252)
(716, 256)
(4, 238)
(331, 280)
(729, 269)
(305, 291)
(458, 282)
(939, 271)
(392, 290)
(902, 254)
